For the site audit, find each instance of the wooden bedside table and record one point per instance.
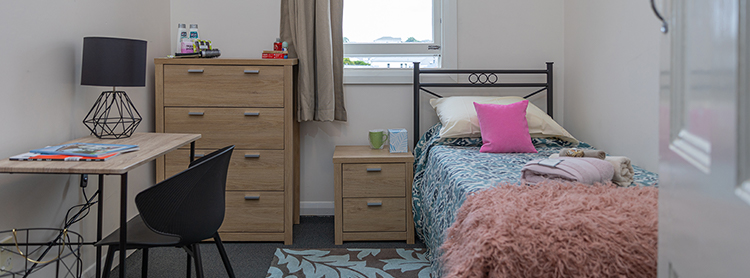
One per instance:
(372, 194)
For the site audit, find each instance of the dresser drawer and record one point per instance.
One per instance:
(249, 211)
(248, 169)
(246, 128)
(374, 214)
(374, 180)
(227, 86)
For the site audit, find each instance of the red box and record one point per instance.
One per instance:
(274, 56)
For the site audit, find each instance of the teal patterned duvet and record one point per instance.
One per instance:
(446, 170)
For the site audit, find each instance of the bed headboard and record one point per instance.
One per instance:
(478, 79)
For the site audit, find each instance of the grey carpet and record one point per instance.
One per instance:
(248, 259)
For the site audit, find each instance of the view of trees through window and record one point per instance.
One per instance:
(369, 24)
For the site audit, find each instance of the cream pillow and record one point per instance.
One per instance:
(459, 118)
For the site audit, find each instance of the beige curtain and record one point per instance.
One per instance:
(312, 29)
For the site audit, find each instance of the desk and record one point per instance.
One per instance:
(151, 146)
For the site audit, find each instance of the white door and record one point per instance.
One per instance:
(704, 212)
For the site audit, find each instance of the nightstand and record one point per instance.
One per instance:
(372, 194)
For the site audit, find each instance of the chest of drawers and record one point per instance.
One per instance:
(248, 103)
(372, 191)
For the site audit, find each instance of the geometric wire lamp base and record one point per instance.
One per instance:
(113, 116)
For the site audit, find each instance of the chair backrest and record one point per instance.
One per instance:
(189, 204)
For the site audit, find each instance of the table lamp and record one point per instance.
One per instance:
(113, 62)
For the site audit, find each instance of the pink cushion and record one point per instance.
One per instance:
(504, 128)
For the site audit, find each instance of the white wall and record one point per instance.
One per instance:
(43, 102)
(514, 35)
(612, 77)
(238, 28)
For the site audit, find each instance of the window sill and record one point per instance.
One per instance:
(390, 77)
(378, 76)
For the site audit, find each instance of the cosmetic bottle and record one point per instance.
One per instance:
(193, 32)
(181, 34)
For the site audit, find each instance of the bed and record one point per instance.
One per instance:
(448, 170)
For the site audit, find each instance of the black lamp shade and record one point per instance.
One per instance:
(113, 62)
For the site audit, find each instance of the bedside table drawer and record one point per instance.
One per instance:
(374, 214)
(246, 128)
(250, 211)
(228, 86)
(259, 170)
(374, 180)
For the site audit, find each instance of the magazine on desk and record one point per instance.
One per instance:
(59, 157)
(86, 149)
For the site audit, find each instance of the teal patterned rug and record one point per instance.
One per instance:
(350, 262)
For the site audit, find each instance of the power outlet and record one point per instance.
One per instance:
(6, 256)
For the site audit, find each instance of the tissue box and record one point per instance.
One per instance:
(398, 140)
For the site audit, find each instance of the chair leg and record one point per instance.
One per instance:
(224, 257)
(108, 262)
(189, 260)
(198, 262)
(144, 263)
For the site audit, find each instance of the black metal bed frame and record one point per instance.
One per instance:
(478, 78)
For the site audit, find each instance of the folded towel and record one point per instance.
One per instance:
(623, 170)
(584, 170)
(574, 152)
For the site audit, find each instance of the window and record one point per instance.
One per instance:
(391, 34)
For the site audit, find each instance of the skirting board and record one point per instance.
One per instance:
(316, 208)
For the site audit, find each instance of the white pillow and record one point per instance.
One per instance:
(459, 118)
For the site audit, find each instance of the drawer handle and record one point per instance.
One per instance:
(252, 197)
(198, 155)
(195, 70)
(373, 170)
(252, 113)
(257, 155)
(374, 204)
(252, 71)
(195, 113)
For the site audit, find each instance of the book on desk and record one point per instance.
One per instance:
(59, 157)
(75, 152)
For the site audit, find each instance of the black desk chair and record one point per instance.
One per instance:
(180, 211)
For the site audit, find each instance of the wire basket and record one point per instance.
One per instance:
(25, 251)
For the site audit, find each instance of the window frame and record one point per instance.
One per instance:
(444, 35)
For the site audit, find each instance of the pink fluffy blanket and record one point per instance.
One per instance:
(554, 229)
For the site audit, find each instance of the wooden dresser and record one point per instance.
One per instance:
(248, 103)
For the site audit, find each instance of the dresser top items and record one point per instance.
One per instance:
(223, 61)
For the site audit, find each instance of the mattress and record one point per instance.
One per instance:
(447, 170)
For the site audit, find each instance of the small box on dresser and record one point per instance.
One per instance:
(372, 194)
(398, 140)
(248, 103)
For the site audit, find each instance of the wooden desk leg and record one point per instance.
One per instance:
(100, 208)
(123, 221)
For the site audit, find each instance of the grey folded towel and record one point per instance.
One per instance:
(573, 152)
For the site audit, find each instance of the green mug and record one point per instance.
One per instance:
(377, 138)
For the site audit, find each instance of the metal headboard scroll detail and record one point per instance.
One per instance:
(482, 78)
(479, 78)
